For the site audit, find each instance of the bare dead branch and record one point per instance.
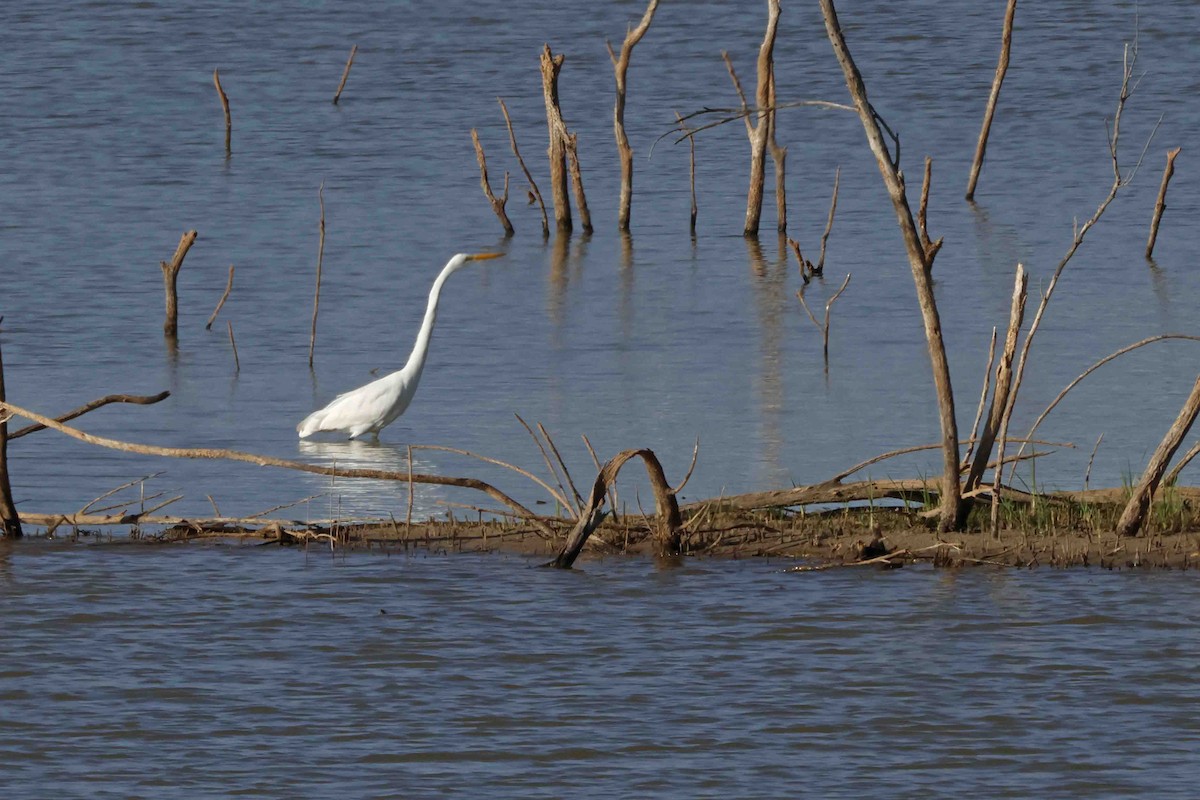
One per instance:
(620, 68)
(758, 141)
(170, 271)
(1135, 510)
(585, 216)
(496, 203)
(512, 139)
(823, 327)
(695, 454)
(312, 337)
(1161, 204)
(563, 465)
(1172, 477)
(558, 496)
(221, 302)
(692, 175)
(224, 107)
(221, 454)
(990, 111)
(551, 65)
(987, 383)
(10, 520)
(345, 74)
(237, 364)
(819, 269)
(140, 400)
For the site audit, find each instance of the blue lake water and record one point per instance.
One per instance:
(210, 672)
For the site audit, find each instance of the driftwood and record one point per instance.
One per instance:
(221, 454)
(761, 130)
(312, 337)
(10, 520)
(920, 261)
(141, 400)
(1135, 510)
(221, 302)
(224, 107)
(1161, 204)
(345, 74)
(620, 68)
(557, 150)
(170, 271)
(533, 189)
(990, 111)
(497, 203)
(669, 522)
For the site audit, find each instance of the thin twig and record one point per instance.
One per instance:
(819, 269)
(512, 138)
(92, 406)
(345, 75)
(987, 383)
(221, 302)
(237, 364)
(312, 338)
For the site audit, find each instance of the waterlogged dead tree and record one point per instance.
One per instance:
(497, 203)
(557, 149)
(762, 128)
(1135, 510)
(533, 189)
(669, 523)
(345, 74)
(990, 111)
(778, 158)
(920, 259)
(224, 107)
(620, 68)
(170, 271)
(10, 520)
(1161, 204)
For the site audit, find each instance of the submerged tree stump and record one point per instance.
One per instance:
(170, 272)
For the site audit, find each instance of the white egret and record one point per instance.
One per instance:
(368, 409)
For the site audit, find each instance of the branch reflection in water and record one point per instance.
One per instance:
(361, 498)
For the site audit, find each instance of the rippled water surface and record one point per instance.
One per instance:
(142, 671)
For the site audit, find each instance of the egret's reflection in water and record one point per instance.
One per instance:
(367, 497)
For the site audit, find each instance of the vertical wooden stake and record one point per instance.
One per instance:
(10, 520)
(312, 338)
(225, 108)
(1135, 510)
(512, 138)
(498, 203)
(620, 68)
(170, 273)
(345, 74)
(221, 302)
(691, 169)
(990, 111)
(1161, 205)
(237, 364)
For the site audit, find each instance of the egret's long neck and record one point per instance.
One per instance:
(416, 360)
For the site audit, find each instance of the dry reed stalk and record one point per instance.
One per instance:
(497, 203)
(237, 364)
(990, 112)
(221, 302)
(312, 337)
(551, 65)
(1139, 503)
(345, 74)
(1161, 204)
(221, 454)
(512, 138)
(224, 107)
(92, 406)
(620, 68)
(170, 271)
(920, 262)
(762, 129)
(10, 520)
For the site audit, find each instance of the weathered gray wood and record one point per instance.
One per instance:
(990, 112)
(1161, 204)
(170, 272)
(557, 149)
(620, 69)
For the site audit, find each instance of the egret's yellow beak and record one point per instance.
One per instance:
(483, 256)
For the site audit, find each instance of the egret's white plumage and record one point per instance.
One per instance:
(370, 408)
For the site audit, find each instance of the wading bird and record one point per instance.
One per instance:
(370, 408)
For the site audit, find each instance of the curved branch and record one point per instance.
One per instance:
(220, 454)
(140, 400)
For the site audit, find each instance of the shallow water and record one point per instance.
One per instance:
(136, 671)
(113, 147)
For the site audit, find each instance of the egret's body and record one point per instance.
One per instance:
(370, 408)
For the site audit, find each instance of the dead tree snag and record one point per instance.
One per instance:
(1161, 205)
(557, 150)
(620, 68)
(990, 111)
(170, 271)
(497, 203)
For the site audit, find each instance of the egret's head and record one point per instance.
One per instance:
(461, 260)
